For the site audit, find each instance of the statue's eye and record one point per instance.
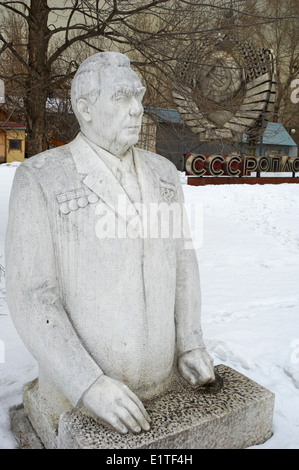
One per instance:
(121, 98)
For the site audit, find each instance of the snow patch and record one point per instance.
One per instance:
(249, 264)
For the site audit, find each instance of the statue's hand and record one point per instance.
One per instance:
(112, 402)
(196, 367)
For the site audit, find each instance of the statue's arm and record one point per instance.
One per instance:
(188, 291)
(194, 362)
(32, 292)
(42, 322)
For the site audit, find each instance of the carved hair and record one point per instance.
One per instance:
(87, 80)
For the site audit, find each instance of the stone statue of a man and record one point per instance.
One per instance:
(106, 317)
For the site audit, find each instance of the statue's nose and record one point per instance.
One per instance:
(136, 108)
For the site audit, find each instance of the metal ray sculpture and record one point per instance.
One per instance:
(225, 89)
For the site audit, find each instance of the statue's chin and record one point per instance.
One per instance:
(122, 147)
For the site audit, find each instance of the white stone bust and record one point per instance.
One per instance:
(108, 318)
(111, 119)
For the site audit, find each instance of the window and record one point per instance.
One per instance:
(15, 145)
(251, 152)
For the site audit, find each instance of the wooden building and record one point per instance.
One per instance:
(12, 139)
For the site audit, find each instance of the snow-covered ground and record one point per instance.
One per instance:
(249, 263)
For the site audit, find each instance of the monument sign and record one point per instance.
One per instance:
(225, 88)
(237, 165)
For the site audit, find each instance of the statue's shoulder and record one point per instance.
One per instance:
(49, 160)
(46, 166)
(159, 164)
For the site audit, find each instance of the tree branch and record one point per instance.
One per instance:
(8, 6)
(8, 45)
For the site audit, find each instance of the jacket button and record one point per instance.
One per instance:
(73, 205)
(64, 208)
(93, 198)
(82, 201)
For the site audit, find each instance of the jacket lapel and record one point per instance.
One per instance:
(149, 182)
(99, 178)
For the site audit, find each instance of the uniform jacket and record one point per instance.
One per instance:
(86, 304)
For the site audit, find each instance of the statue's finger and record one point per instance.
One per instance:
(129, 420)
(118, 425)
(206, 374)
(138, 416)
(139, 404)
(188, 373)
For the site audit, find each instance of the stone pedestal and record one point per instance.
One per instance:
(233, 413)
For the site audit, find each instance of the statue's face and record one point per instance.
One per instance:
(116, 115)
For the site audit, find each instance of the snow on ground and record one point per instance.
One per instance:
(249, 261)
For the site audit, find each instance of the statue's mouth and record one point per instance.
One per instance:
(134, 128)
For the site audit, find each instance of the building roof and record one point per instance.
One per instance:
(276, 134)
(11, 125)
(164, 115)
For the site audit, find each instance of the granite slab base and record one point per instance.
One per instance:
(26, 437)
(233, 413)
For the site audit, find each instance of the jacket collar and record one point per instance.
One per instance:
(100, 179)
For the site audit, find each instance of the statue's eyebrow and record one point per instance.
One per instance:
(128, 91)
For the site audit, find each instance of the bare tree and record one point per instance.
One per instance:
(42, 52)
(50, 32)
(282, 36)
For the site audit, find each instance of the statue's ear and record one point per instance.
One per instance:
(84, 109)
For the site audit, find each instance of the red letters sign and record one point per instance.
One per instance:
(236, 165)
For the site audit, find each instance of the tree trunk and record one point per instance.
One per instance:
(37, 85)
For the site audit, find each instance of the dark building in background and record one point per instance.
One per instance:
(174, 139)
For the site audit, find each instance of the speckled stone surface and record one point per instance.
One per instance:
(235, 413)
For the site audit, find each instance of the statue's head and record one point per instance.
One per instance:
(107, 101)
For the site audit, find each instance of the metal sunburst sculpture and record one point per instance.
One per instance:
(225, 89)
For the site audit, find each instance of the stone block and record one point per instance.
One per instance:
(235, 412)
(22, 429)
